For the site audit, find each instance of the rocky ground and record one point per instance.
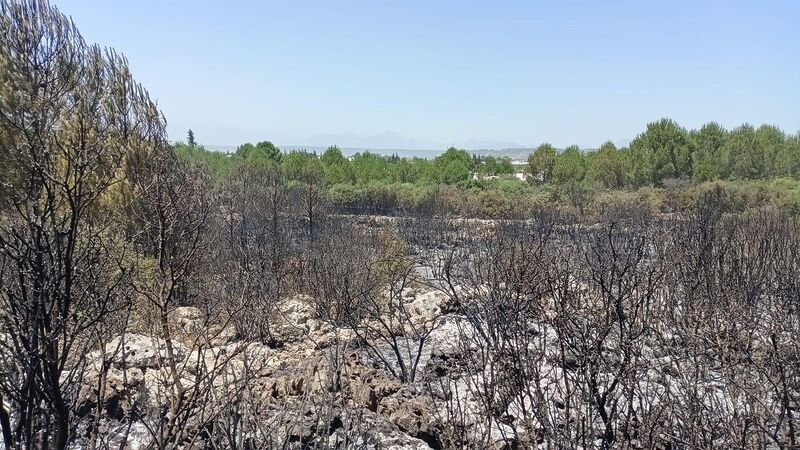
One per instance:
(319, 376)
(324, 386)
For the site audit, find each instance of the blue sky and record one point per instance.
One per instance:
(411, 74)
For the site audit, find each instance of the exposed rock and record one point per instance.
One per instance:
(293, 319)
(365, 429)
(192, 327)
(450, 335)
(118, 392)
(327, 336)
(136, 350)
(320, 384)
(412, 411)
(226, 358)
(368, 386)
(188, 319)
(425, 308)
(219, 336)
(133, 436)
(159, 384)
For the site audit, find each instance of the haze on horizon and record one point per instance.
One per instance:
(421, 76)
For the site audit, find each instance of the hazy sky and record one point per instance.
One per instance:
(428, 74)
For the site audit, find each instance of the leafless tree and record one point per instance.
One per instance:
(312, 198)
(258, 240)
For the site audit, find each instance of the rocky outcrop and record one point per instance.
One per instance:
(411, 409)
(122, 374)
(188, 320)
(370, 430)
(317, 365)
(136, 351)
(192, 327)
(116, 392)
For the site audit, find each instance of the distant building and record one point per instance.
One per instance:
(478, 176)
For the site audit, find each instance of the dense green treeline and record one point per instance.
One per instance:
(452, 167)
(664, 158)
(666, 151)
